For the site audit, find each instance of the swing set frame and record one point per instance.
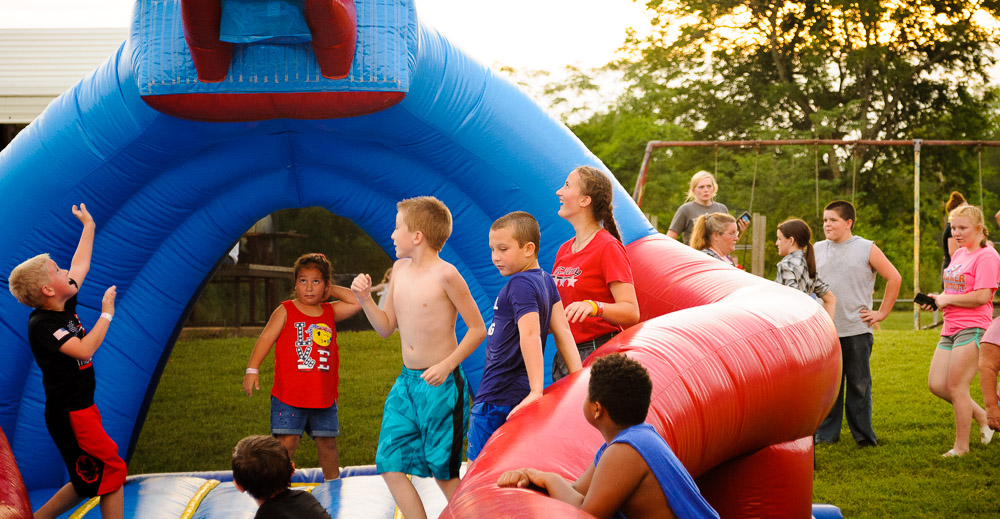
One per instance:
(916, 144)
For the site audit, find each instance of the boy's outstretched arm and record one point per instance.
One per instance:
(383, 321)
(563, 336)
(262, 347)
(458, 292)
(84, 349)
(80, 265)
(550, 482)
(534, 363)
(346, 306)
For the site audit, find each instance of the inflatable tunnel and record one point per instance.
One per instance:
(214, 114)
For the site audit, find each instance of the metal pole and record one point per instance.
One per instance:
(916, 229)
(640, 182)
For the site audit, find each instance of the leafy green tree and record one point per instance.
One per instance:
(865, 69)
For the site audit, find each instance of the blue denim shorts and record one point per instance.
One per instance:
(287, 419)
(484, 419)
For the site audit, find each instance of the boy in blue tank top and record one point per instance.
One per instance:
(527, 307)
(617, 484)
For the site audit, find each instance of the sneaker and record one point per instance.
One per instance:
(985, 434)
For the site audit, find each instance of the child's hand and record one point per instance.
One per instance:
(577, 311)
(362, 287)
(436, 374)
(108, 303)
(83, 215)
(251, 381)
(520, 478)
(532, 396)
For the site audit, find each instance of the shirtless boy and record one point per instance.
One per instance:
(420, 433)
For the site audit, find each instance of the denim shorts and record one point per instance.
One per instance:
(287, 419)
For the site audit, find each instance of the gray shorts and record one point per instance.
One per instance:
(963, 337)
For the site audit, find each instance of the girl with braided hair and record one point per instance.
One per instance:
(592, 270)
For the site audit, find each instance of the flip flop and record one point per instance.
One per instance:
(952, 454)
(985, 434)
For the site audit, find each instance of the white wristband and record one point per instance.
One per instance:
(252, 371)
(107, 316)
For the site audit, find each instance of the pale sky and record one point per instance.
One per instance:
(535, 34)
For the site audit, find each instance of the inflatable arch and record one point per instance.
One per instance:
(174, 169)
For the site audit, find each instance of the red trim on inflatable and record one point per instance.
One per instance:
(334, 28)
(211, 56)
(738, 365)
(13, 495)
(275, 105)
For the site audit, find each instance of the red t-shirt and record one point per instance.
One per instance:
(586, 275)
(306, 359)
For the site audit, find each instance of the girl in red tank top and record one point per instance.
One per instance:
(306, 360)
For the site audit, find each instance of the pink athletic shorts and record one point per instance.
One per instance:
(992, 335)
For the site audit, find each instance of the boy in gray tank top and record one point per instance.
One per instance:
(849, 265)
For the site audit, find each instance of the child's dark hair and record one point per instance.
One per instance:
(844, 209)
(622, 386)
(523, 227)
(314, 260)
(261, 466)
(596, 184)
(801, 234)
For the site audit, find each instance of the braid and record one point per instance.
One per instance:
(597, 186)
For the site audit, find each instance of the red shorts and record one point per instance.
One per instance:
(91, 456)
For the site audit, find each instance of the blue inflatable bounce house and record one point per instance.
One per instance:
(215, 113)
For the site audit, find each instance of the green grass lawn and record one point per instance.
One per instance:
(199, 412)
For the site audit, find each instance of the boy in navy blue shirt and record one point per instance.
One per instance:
(527, 307)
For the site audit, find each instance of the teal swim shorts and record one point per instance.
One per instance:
(423, 427)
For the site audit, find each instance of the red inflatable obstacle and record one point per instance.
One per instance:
(743, 371)
(13, 496)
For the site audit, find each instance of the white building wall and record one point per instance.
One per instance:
(36, 65)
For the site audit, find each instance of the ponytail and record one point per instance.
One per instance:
(810, 260)
(801, 234)
(699, 235)
(706, 225)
